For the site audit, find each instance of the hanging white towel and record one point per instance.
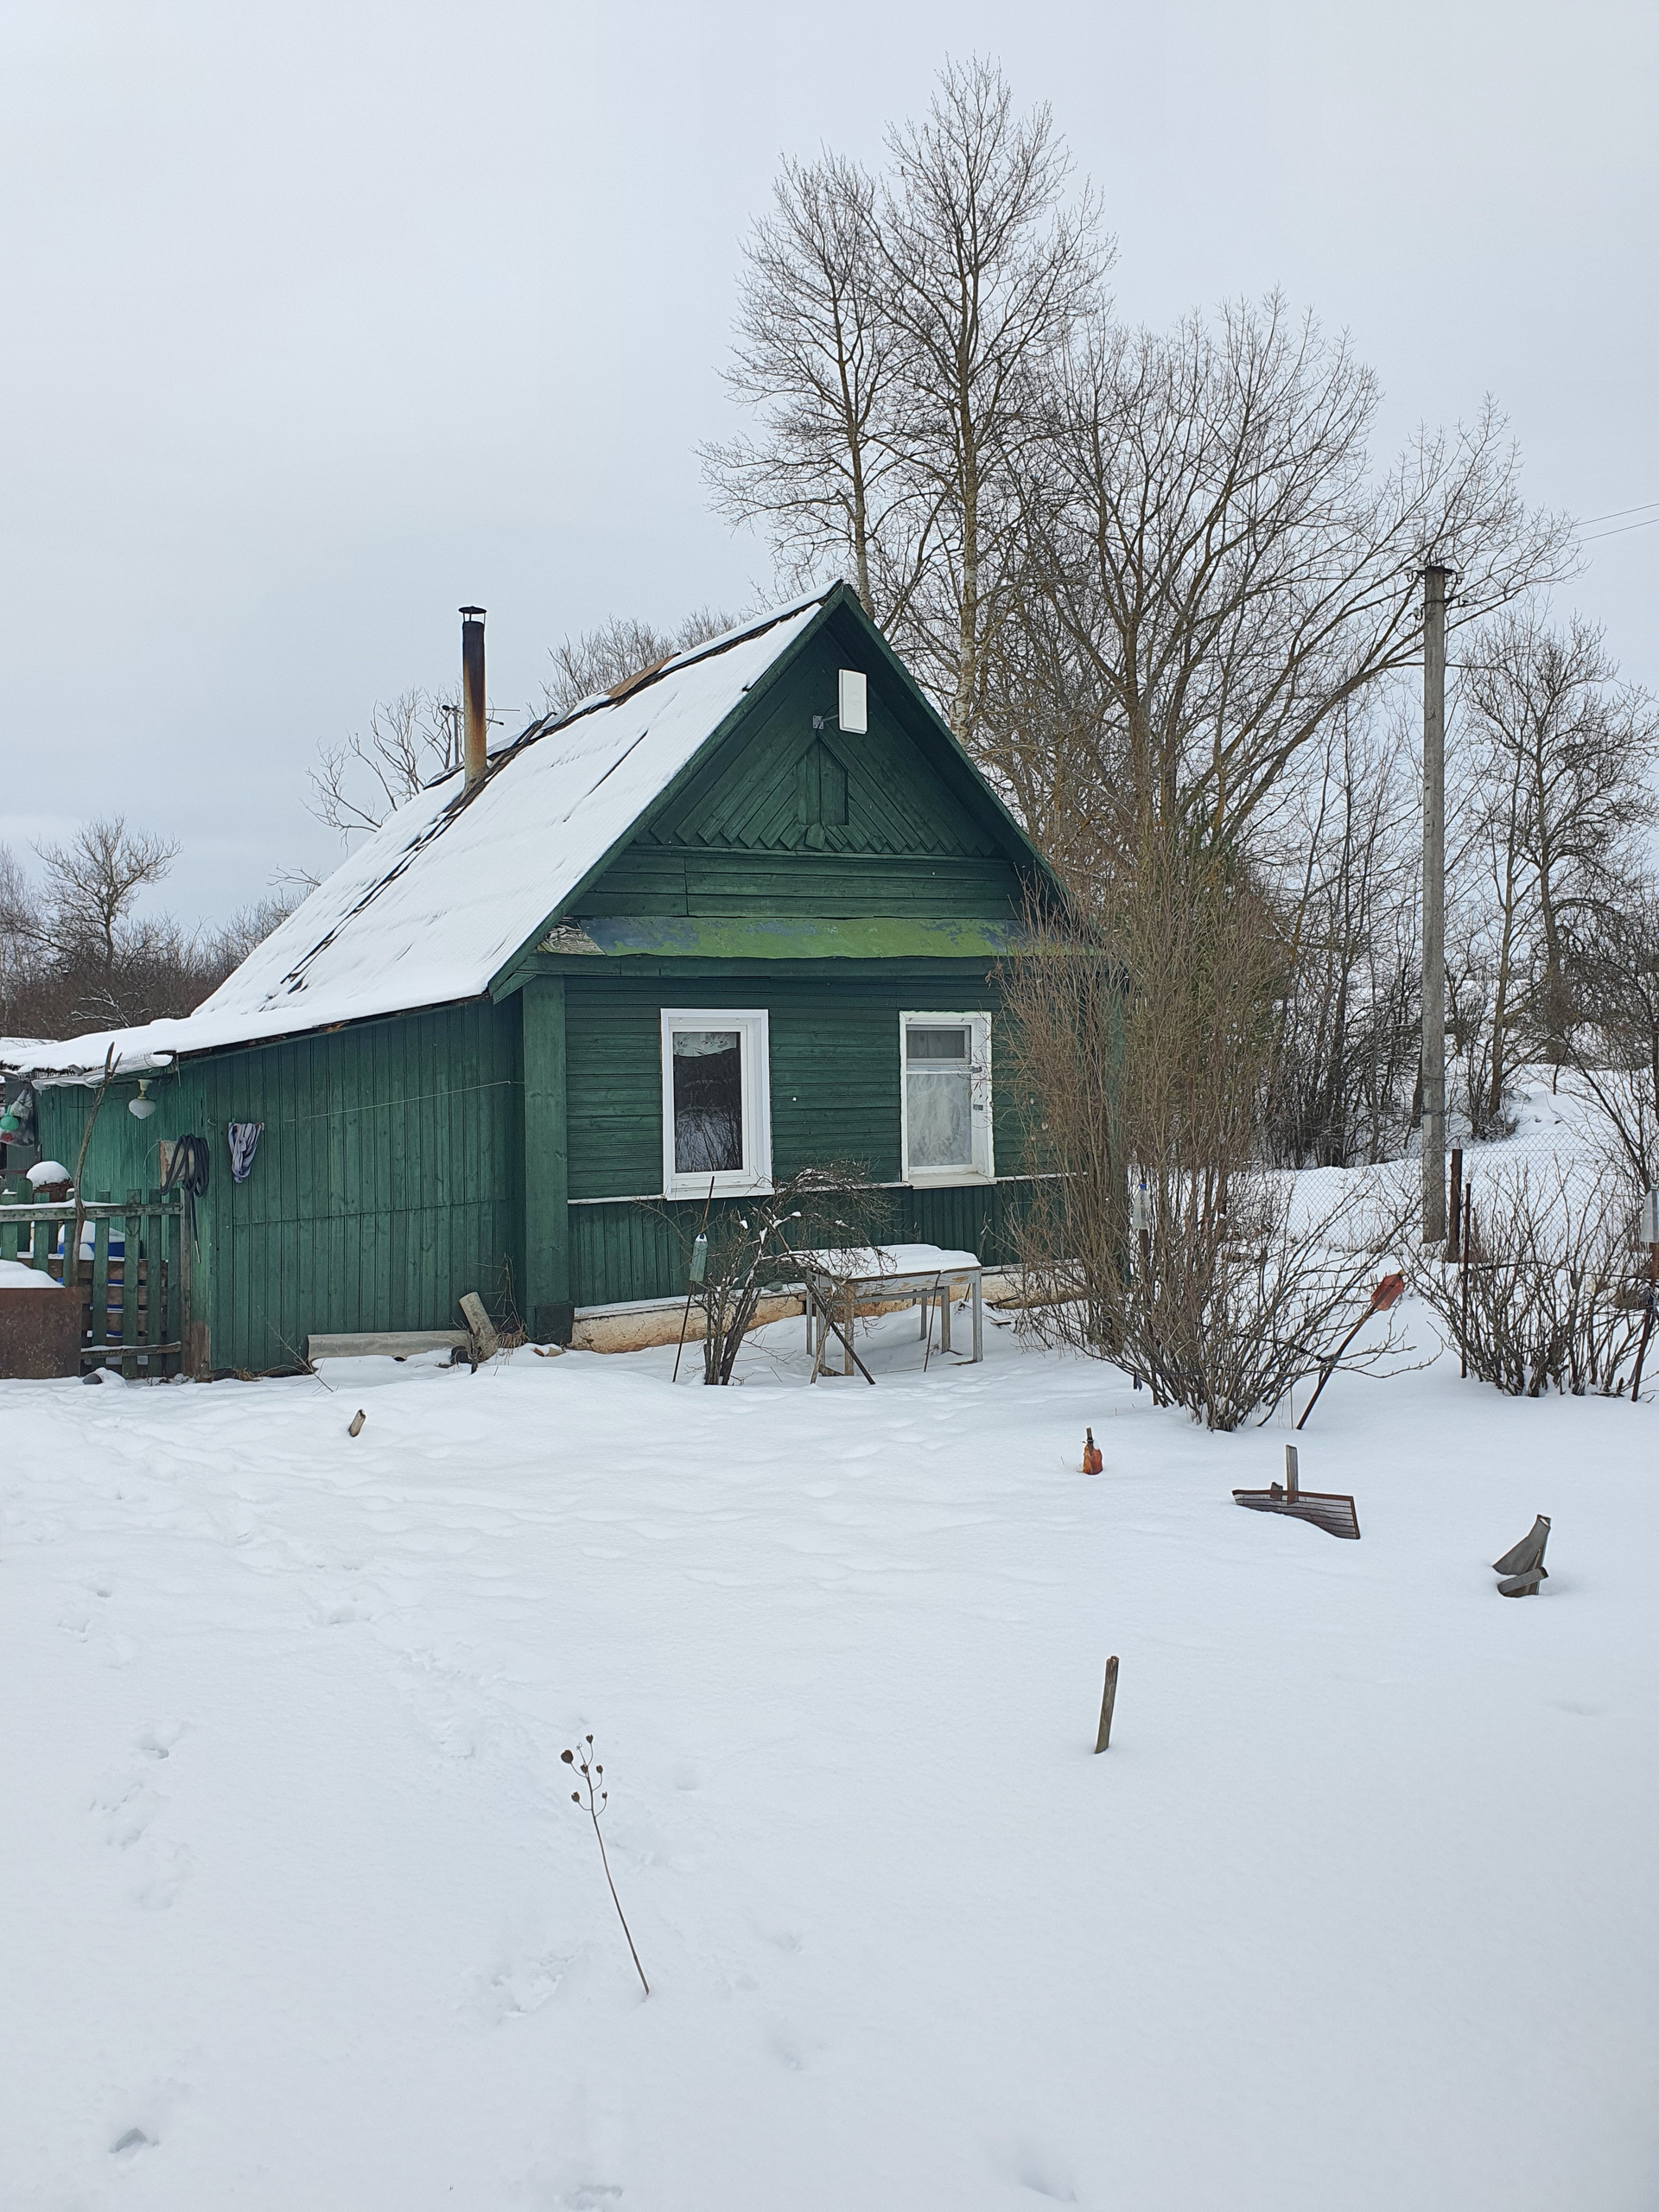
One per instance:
(244, 1142)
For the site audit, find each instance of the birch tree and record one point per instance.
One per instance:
(893, 335)
(990, 271)
(818, 357)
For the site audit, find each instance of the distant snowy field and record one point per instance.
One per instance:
(1359, 1912)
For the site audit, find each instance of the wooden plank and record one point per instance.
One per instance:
(156, 1289)
(130, 1283)
(394, 1344)
(478, 1322)
(184, 1320)
(100, 1315)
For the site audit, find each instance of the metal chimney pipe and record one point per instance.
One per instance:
(472, 694)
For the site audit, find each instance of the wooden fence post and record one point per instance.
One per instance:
(1109, 1699)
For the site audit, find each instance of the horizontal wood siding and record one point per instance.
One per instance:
(835, 1071)
(385, 1182)
(629, 1251)
(835, 1094)
(655, 881)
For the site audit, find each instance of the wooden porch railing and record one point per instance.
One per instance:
(135, 1300)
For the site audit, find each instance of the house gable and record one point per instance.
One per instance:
(780, 816)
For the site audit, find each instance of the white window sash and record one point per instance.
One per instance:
(984, 1169)
(755, 1052)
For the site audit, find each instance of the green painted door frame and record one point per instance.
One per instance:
(546, 1298)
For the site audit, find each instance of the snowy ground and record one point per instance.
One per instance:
(1358, 1912)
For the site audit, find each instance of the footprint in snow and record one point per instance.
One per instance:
(128, 1804)
(1042, 2174)
(514, 1991)
(135, 2140)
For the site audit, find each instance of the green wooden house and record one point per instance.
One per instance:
(742, 914)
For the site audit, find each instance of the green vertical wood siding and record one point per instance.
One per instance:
(546, 1153)
(404, 1159)
(385, 1184)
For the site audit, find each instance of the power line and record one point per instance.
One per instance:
(1620, 531)
(1590, 521)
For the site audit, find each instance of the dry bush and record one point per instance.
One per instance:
(1141, 1046)
(1550, 1297)
(752, 1247)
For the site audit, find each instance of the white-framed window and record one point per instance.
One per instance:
(716, 1102)
(945, 1092)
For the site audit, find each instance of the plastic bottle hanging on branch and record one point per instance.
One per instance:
(244, 1142)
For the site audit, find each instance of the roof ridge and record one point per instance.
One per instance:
(670, 664)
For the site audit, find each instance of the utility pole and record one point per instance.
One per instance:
(1434, 1124)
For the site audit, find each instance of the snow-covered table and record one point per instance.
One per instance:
(838, 1282)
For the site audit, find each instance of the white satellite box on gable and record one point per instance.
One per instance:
(854, 714)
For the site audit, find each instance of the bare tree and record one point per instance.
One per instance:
(989, 274)
(819, 359)
(76, 953)
(892, 333)
(1221, 570)
(411, 740)
(1561, 757)
(1488, 958)
(603, 660)
(92, 884)
(1347, 1047)
(222, 951)
(1615, 983)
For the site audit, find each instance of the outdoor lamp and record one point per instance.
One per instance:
(143, 1105)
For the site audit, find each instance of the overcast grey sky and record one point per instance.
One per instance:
(321, 320)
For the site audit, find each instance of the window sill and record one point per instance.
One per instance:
(725, 1187)
(947, 1179)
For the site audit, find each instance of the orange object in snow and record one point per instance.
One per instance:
(1092, 1462)
(1387, 1292)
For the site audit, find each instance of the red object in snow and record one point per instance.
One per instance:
(1092, 1462)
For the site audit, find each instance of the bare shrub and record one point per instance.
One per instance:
(1157, 1239)
(1550, 1295)
(749, 1251)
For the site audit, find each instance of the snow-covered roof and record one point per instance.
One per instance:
(429, 908)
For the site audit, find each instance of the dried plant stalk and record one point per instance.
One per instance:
(591, 1772)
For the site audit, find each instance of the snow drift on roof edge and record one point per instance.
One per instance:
(427, 910)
